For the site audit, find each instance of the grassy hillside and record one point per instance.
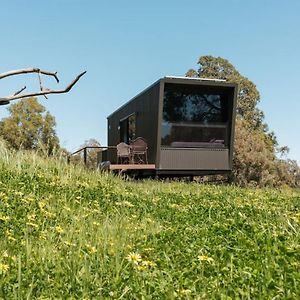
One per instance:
(68, 233)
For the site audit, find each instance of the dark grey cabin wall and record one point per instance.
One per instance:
(145, 106)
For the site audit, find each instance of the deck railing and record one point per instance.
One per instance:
(85, 152)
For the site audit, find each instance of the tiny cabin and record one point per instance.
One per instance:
(188, 124)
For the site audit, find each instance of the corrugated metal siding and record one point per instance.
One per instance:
(194, 159)
(145, 106)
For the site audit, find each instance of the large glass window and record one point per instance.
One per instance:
(193, 117)
(127, 129)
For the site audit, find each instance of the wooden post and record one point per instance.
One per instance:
(85, 155)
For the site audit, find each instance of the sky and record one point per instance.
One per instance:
(125, 46)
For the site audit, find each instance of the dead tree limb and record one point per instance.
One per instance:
(41, 83)
(43, 91)
(20, 91)
(29, 70)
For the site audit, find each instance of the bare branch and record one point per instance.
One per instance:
(5, 100)
(40, 81)
(20, 91)
(29, 70)
(41, 84)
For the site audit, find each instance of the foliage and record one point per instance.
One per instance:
(67, 232)
(255, 149)
(255, 162)
(29, 126)
(248, 95)
(91, 154)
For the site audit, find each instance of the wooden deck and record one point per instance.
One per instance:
(125, 167)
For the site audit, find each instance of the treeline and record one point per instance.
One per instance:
(30, 126)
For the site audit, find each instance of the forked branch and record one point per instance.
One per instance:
(42, 92)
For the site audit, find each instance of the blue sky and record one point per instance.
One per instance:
(133, 43)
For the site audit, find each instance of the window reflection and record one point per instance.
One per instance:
(127, 129)
(194, 118)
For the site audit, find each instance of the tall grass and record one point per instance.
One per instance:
(69, 233)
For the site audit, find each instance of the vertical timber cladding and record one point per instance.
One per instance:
(145, 108)
(191, 159)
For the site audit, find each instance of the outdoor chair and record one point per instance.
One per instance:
(123, 153)
(139, 151)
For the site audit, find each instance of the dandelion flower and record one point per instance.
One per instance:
(4, 218)
(134, 257)
(3, 268)
(141, 268)
(59, 229)
(185, 292)
(205, 258)
(92, 249)
(42, 204)
(148, 263)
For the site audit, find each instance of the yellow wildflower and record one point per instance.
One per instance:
(91, 249)
(141, 268)
(3, 268)
(69, 243)
(4, 218)
(11, 238)
(185, 292)
(59, 229)
(134, 257)
(148, 263)
(31, 217)
(32, 224)
(42, 204)
(148, 249)
(205, 258)
(125, 203)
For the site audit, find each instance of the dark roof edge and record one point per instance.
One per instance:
(195, 78)
(199, 81)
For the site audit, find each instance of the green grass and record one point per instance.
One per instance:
(68, 233)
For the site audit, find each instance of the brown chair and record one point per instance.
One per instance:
(123, 153)
(139, 151)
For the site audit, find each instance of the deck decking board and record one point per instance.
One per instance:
(132, 167)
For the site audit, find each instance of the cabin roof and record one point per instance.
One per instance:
(181, 80)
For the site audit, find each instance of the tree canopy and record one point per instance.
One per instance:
(91, 153)
(248, 95)
(255, 159)
(29, 126)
